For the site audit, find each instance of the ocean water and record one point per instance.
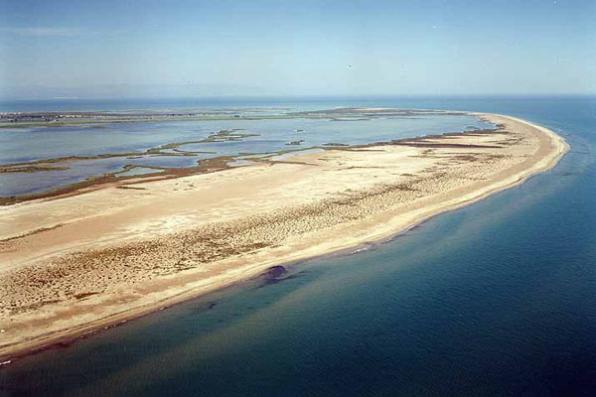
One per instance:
(495, 299)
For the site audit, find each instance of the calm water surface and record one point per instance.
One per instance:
(128, 142)
(498, 298)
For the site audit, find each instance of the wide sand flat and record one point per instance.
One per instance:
(73, 264)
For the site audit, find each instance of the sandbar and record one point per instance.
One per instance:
(76, 263)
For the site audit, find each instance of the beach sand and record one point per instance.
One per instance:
(74, 264)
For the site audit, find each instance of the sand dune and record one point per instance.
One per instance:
(69, 265)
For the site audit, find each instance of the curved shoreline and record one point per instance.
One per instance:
(375, 228)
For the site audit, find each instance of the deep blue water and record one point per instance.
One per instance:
(495, 299)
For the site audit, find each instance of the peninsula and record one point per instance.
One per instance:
(75, 263)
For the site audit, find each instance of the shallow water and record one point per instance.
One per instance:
(130, 141)
(139, 171)
(498, 298)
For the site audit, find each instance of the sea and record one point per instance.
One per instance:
(494, 299)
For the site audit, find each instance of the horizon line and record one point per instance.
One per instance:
(302, 96)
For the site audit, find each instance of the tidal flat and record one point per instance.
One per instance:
(98, 147)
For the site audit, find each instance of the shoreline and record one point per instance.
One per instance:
(375, 229)
(209, 165)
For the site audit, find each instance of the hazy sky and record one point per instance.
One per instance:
(194, 48)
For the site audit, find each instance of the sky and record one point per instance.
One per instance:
(103, 49)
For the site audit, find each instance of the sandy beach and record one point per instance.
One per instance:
(73, 264)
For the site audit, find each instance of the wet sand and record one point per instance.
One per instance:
(76, 263)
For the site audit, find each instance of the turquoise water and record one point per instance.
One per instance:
(498, 298)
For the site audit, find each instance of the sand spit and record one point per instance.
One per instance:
(74, 264)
